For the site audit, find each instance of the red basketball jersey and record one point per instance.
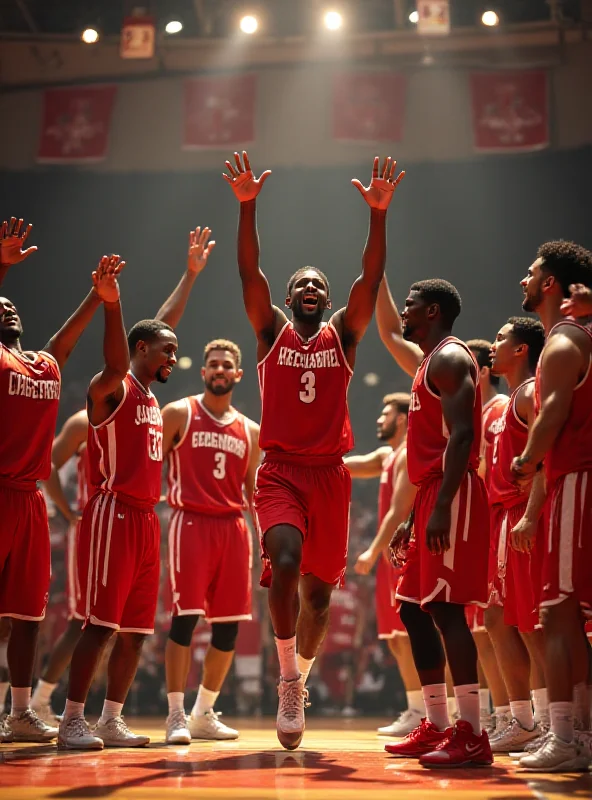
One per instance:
(304, 395)
(572, 450)
(509, 443)
(427, 434)
(207, 468)
(125, 451)
(388, 477)
(30, 394)
(83, 486)
(492, 412)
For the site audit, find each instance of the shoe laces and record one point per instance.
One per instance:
(292, 697)
(416, 733)
(405, 716)
(178, 719)
(119, 724)
(31, 717)
(77, 726)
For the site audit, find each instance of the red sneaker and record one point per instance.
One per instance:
(461, 748)
(425, 738)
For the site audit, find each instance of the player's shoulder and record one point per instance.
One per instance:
(79, 420)
(177, 408)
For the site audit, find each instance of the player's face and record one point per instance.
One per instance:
(220, 372)
(503, 351)
(309, 297)
(10, 322)
(414, 317)
(532, 286)
(386, 424)
(161, 355)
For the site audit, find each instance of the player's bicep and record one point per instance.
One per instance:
(366, 466)
(174, 422)
(107, 385)
(560, 371)
(359, 309)
(451, 376)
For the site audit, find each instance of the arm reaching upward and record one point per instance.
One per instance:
(12, 239)
(66, 444)
(407, 355)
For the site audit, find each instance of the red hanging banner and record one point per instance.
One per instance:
(219, 112)
(510, 111)
(368, 106)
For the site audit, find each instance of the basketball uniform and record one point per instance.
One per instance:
(76, 603)
(210, 548)
(29, 398)
(460, 574)
(388, 620)
(568, 552)
(305, 432)
(514, 578)
(119, 542)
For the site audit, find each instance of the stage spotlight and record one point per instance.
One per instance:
(490, 19)
(249, 24)
(174, 26)
(185, 362)
(414, 17)
(333, 20)
(90, 36)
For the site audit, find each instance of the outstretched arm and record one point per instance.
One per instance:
(369, 465)
(65, 445)
(407, 354)
(173, 308)
(13, 236)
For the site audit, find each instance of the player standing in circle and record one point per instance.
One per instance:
(562, 437)
(213, 455)
(395, 501)
(30, 383)
(446, 563)
(303, 489)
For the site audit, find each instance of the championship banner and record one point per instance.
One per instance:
(76, 124)
(510, 111)
(219, 112)
(433, 17)
(368, 106)
(138, 37)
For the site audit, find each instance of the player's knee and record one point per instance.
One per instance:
(448, 617)
(493, 617)
(224, 636)
(133, 641)
(286, 565)
(412, 616)
(317, 602)
(182, 629)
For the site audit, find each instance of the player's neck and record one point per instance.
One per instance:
(518, 375)
(141, 376)
(434, 337)
(398, 438)
(550, 313)
(488, 392)
(306, 330)
(14, 345)
(217, 405)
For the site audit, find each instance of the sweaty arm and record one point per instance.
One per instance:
(62, 343)
(369, 465)
(106, 389)
(66, 444)
(407, 355)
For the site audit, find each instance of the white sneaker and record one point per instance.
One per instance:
(406, 722)
(45, 712)
(75, 734)
(556, 756)
(208, 726)
(5, 732)
(535, 744)
(488, 722)
(177, 731)
(27, 727)
(115, 733)
(290, 715)
(513, 738)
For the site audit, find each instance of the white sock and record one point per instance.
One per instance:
(522, 711)
(286, 649)
(21, 699)
(562, 720)
(484, 701)
(3, 692)
(205, 700)
(581, 706)
(304, 665)
(452, 706)
(73, 709)
(540, 701)
(434, 696)
(416, 702)
(501, 710)
(176, 701)
(42, 693)
(111, 709)
(467, 697)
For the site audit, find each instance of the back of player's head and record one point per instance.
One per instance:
(567, 262)
(400, 400)
(223, 344)
(302, 271)
(481, 349)
(443, 294)
(529, 331)
(146, 330)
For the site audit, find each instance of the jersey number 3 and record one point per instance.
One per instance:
(220, 471)
(308, 394)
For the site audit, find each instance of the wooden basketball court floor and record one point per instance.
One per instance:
(338, 760)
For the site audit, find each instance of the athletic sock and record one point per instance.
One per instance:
(204, 701)
(304, 665)
(452, 706)
(21, 698)
(467, 697)
(111, 709)
(562, 720)
(286, 649)
(415, 701)
(581, 705)
(434, 696)
(522, 711)
(42, 693)
(484, 701)
(176, 701)
(73, 709)
(540, 702)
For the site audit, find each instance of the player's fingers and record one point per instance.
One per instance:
(386, 164)
(399, 178)
(119, 267)
(210, 247)
(375, 167)
(11, 226)
(264, 176)
(359, 186)
(26, 253)
(203, 238)
(95, 278)
(246, 161)
(237, 159)
(27, 232)
(231, 169)
(19, 228)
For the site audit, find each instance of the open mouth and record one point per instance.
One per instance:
(310, 301)
(166, 371)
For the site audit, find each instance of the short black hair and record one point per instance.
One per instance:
(301, 271)
(481, 349)
(443, 293)
(529, 331)
(567, 262)
(145, 330)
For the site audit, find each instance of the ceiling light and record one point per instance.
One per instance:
(333, 20)
(249, 24)
(414, 17)
(174, 26)
(490, 19)
(90, 36)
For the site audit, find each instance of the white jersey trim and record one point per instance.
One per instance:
(113, 413)
(273, 346)
(341, 350)
(514, 412)
(233, 416)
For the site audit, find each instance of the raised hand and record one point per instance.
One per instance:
(199, 250)
(382, 186)
(244, 184)
(13, 236)
(104, 278)
(579, 303)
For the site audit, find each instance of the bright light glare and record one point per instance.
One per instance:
(184, 362)
(490, 18)
(90, 36)
(333, 20)
(414, 17)
(249, 24)
(174, 26)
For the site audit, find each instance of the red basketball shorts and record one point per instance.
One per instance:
(316, 501)
(76, 604)
(460, 574)
(210, 562)
(25, 556)
(514, 578)
(567, 554)
(388, 620)
(119, 564)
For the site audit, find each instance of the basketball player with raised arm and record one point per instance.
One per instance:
(561, 436)
(446, 562)
(303, 489)
(395, 500)
(213, 454)
(30, 383)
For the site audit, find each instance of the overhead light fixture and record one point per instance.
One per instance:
(174, 26)
(90, 35)
(414, 17)
(333, 20)
(490, 19)
(185, 362)
(249, 24)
